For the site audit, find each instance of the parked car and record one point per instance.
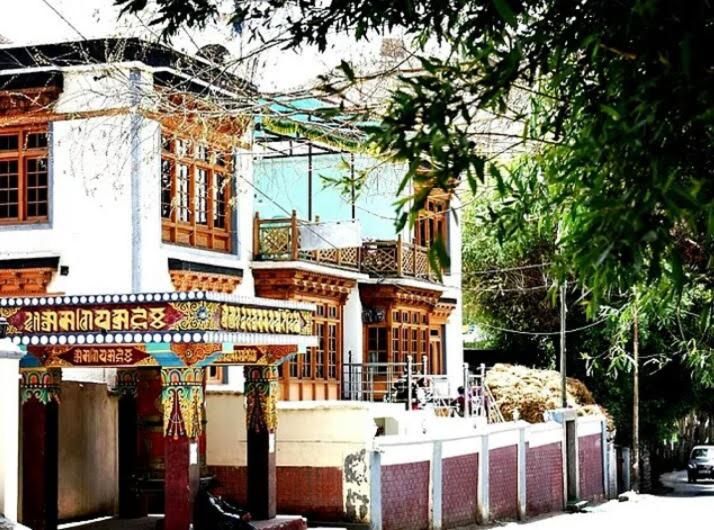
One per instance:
(701, 463)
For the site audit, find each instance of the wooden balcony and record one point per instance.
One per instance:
(279, 240)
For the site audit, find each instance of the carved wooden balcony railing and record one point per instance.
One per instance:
(279, 240)
(396, 259)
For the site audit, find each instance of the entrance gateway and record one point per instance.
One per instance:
(179, 335)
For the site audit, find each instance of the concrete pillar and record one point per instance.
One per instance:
(39, 398)
(261, 392)
(182, 400)
(375, 490)
(605, 460)
(568, 418)
(435, 491)
(483, 481)
(9, 427)
(522, 472)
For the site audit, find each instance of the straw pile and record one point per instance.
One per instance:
(532, 392)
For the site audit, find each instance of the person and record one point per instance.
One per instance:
(460, 402)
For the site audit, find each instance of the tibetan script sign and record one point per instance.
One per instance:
(256, 354)
(172, 316)
(240, 355)
(94, 355)
(103, 356)
(78, 319)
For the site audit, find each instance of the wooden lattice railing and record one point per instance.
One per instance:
(396, 259)
(279, 240)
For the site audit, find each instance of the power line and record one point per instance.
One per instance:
(59, 14)
(543, 333)
(511, 269)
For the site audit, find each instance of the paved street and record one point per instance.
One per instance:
(687, 507)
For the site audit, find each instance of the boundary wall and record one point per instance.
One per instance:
(436, 473)
(507, 471)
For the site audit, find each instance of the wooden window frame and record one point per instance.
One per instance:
(324, 362)
(22, 155)
(409, 335)
(188, 230)
(432, 222)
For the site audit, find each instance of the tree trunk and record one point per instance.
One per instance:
(635, 404)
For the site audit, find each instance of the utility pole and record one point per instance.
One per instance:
(635, 401)
(563, 363)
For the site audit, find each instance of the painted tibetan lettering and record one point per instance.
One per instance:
(103, 356)
(253, 319)
(151, 318)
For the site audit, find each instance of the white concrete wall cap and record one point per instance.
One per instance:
(589, 425)
(406, 454)
(467, 446)
(544, 433)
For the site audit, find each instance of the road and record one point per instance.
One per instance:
(686, 507)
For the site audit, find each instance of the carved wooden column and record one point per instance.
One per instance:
(261, 392)
(39, 398)
(126, 389)
(182, 400)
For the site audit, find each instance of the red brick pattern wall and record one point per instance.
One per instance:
(232, 483)
(590, 460)
(459, 479)
(503, 482)
(544, 479)
(315, 492)
(405, 496)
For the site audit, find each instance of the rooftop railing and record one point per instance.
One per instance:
(282, 240)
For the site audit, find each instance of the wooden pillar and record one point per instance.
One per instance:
(182, 400)
(39, 398)
(150, 436)
(126, 389)
(261, 391)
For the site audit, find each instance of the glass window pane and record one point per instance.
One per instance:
(8, 142)
(36, 140)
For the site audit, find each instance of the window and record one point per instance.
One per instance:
(409, 335)
(332, 351)
(217, 375)
(24, 181)
(323, 361)
(377, 344)
(320, 351)
(196, 193)
(432, 222)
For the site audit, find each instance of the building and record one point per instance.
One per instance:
(378, 299)
(128, 169)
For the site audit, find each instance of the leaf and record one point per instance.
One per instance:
(347, 69)
(505, 11)
(610, 111)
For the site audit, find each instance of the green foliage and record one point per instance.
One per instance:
(617, 113)
(614, 102)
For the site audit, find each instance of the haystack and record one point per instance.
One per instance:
(532, 392)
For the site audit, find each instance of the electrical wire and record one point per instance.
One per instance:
(59, 14)
(543, 333)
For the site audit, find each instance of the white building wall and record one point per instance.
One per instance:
(454, 343)
(352, 328)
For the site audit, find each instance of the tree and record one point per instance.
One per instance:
(618, 112)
